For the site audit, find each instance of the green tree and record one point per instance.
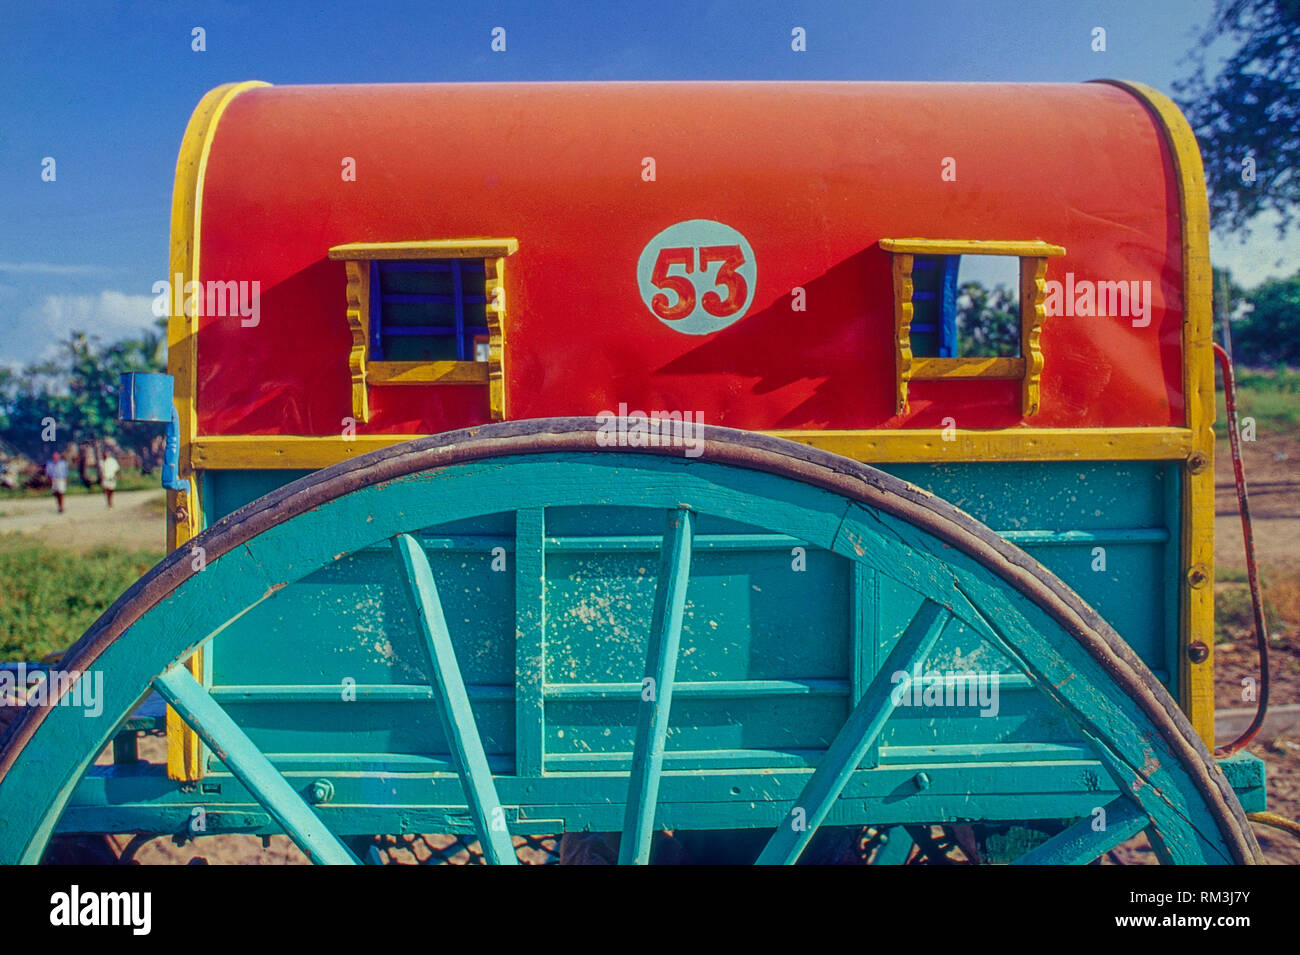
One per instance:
(78, 393)
(30, 400)
(988, 322)
(1247, 115)
(1270, 332)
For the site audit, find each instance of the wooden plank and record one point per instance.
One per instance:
(700, 690)
(1018, 247)
(851, 743)
(1080, 843)
(358, 315)
(935, 368)
(453, 705)
(904, 312)
(1033, 277)
(246, 762)
(494, 291)
(661, 667)
(305, 452)
(1019, 444)
(427, 249)
(427, 373)
(864, 608)
(530, 640)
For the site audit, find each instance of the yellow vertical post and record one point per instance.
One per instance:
(184, 517)
(1195, 669)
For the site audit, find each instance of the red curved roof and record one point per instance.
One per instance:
(812, 174)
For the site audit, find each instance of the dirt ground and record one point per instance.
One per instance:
(134, 522)
(1273, 477)
(1273, 470)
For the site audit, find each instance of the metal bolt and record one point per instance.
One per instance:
(922, 781)
(1198, 652)
(322, 790)
(1197, 575)
(1197, 462)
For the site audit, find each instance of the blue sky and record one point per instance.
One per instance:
(106, 88)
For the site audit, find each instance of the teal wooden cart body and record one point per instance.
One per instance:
(517, 631)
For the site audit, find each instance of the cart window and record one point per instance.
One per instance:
(969, 309)
(429, 310)
(426, 313)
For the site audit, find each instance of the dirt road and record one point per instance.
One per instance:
(1273, 478)
(134, 522)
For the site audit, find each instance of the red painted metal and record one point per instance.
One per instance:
(811, 174)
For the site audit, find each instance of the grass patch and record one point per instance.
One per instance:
(50, 597)
(1234, 616)
(1271, 397)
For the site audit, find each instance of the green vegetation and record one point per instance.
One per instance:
(48, 405)
(51, 596)
(1267, 331)
(988, 322)
(1234, 616)
(1271, 397)
(1246, 113)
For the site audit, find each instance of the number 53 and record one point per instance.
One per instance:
(737, 288)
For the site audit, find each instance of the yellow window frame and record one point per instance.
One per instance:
(1027, 369)
(357, 256)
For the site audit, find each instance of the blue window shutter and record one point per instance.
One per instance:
(948, 307)
(415, 319)
(460, 309)
(376, 314)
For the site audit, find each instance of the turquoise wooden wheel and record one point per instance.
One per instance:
(744, 639)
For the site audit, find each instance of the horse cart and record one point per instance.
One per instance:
(635, 463)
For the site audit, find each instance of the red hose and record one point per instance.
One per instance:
(1248, 539)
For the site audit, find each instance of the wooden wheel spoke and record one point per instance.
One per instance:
(1082, 842)
(855, 737)
(453, 706)
(661, 669)
(247, 763)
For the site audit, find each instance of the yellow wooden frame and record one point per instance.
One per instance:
(184, 511)
(1028, 368)
(357, 256)
(893, 446)
(1196, 679)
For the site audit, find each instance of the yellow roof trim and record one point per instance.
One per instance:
(427, 249)
(971, 247)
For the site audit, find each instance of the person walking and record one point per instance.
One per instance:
(108, 469)
(57, 471)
